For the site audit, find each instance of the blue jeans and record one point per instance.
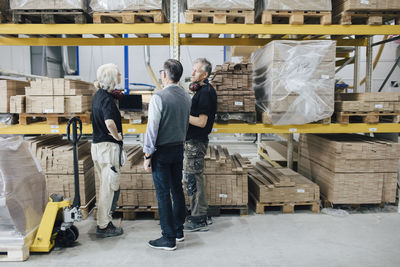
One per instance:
(167, 165)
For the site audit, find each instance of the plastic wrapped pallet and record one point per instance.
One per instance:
(48, 4)
(22, 194)
(367, 5)
(112, 5)
(221, 4)
(294, 80)
(298, 5)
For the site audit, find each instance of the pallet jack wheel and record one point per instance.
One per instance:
(68, 237)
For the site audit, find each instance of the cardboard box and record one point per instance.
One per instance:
(10, 88)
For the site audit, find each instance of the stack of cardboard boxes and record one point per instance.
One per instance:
(10, 89)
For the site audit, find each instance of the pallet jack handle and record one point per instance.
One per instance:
(75, 122)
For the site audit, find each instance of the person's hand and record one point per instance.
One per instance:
(119, 137)
(147, 165)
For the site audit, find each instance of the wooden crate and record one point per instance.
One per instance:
(296, 17)
(219, 16)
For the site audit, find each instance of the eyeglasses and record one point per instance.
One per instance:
(160, 71)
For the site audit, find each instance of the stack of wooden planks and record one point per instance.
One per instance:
(55, 156)
(368, 107)
(8, 90)
(271, 186)
(233, 84)
(351, 168)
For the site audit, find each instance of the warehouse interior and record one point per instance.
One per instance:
(303, 159)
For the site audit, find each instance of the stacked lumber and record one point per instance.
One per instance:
(294, 81)
(272, 186)
(136, 185)
(351, 168)
(369, 107)
(365, 12)
(58, 96)
(8, 89)
(233, 84)
(225, 177)
(55, 156)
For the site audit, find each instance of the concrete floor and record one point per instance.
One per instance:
(302, 239)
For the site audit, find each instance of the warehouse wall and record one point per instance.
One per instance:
(389, 55)
(91, 57)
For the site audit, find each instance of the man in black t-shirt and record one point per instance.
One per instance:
(106, 147)
(201, 120)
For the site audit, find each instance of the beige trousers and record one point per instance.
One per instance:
(105, 157)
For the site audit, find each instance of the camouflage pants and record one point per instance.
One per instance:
(195, 152)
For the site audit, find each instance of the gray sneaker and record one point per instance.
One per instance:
(109, 231)
(191, 226)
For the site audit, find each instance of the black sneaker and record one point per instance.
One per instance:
(109, 231)
(162, 243)
(209, 220)
(179, 236)
(191, 226)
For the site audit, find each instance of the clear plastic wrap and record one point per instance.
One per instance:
(48, 4)
(112, 5)
(301, 5)
(221, 4)
(294, 81)
(22, 190)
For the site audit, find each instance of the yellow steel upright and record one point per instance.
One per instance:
(45, 239)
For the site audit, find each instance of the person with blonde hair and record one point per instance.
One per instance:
(107, 152)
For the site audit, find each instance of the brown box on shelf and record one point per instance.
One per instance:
(45, 104)
(17, 104)
(10, 88)
(350, 168)
(368, 102)
(78, 104)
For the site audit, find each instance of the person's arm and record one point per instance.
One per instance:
(153, 124)
(200, 121)
(109, 120)
(203, 109)
(112, 128)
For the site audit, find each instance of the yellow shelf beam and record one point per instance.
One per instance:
(282, 29)
(116, 28)
(43, 128)
(151, 41)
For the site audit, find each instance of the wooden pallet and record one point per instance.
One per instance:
(88, 208)
(130, 213)
(228, 117)
(296, 17)
(52, 119)
(17, 252)
(129, 17)
(328, 204)
(260, 208)
(366, 17)
(219, 16)
(366, 117)
(243, 210)
(262, 117)
(49, 16)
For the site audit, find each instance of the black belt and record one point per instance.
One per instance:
(170, 145)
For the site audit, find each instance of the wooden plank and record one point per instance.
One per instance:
(129, 17)
(219, 16)
(296, 17)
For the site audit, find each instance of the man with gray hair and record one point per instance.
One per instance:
(202, 115)
(106, 147)
(167, 125)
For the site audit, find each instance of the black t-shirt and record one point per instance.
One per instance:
(204, 101)
(104, 108)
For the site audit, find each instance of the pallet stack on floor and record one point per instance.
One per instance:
(281, 187)
(56, 159)
(297, 12)
(294, 81)
(368, 107)
(54, 99)
(371, 12)
(49, 11)
(137, 192)
(136, 117)
(351, 168)
(235, 94)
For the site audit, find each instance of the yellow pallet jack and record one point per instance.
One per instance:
(56, 226)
